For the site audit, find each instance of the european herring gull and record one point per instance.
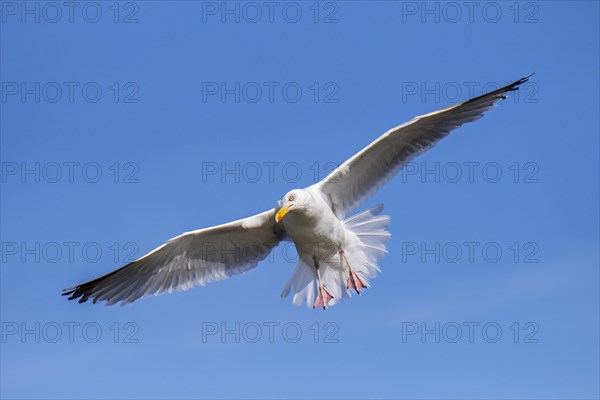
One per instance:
(337, 255)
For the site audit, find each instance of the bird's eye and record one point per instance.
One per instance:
(291, 197)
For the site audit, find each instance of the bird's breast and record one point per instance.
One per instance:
(315, 235)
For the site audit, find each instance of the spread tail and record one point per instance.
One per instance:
(364, 246)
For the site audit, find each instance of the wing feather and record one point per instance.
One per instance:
(348, 186)
(193, 258)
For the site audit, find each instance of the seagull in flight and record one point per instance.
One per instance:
(338, 255)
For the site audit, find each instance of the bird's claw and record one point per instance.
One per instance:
(355, 282)
(323, 298)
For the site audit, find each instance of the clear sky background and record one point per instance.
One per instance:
(122, 129)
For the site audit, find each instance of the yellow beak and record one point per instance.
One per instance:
(281, 213)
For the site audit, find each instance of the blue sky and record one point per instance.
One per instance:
(123, 126)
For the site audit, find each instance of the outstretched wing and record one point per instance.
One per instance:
(191, 259)
(362, 175)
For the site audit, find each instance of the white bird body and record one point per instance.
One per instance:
(338, 255)
(329, 246)
(314, 226)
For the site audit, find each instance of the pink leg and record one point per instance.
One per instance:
(354, 280)
(324, 296)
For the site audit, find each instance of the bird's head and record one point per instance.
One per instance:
(294, 201)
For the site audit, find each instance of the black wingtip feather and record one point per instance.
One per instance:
(87, 289)
(515, 85)
(500, 92)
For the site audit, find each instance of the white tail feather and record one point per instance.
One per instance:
(364, 246)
